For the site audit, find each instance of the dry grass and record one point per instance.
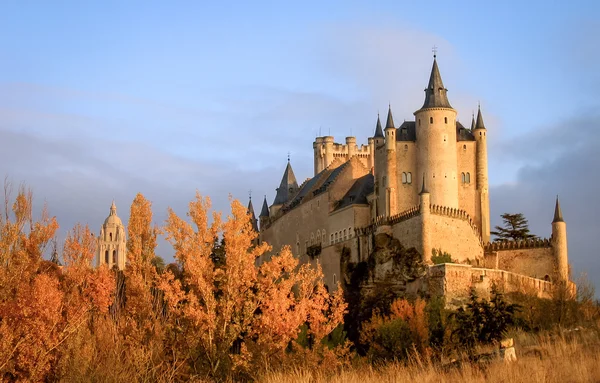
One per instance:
(540, 359)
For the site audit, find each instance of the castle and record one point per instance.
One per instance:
(423, 184)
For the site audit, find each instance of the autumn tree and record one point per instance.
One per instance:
(515, 228)
(233, 316)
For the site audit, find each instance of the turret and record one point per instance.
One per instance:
(351, 146)
(319, 151)
(287, 188)
(559, 243)
(390, 169)
(264, 214)
(253, 220)
(379, 167)
(436, 142)
(481, 168)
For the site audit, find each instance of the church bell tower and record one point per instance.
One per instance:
(112, 246)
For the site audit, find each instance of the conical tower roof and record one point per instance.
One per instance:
(390, 119)
(287, 187)
(479, 124)
(435, 94)
(558, 217)
(473, 122)
(264, 212)
(378, 130)
(253, 219)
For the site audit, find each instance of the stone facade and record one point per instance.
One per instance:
(112, 242)
(423, 183)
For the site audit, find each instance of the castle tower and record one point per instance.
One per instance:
(112, 247)
(287, 188)
(253, 220)
(264, 214)
(425, 210)
(559, 243)
(351, 145)
(379, 160)
(390, 166)
(324, 153)
(436, 142)
(481, 167)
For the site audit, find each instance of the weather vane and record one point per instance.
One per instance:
(288, 156)
(434, 50)
(250, 194)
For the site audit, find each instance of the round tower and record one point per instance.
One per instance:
(112, 247)
(481, 168)
(390, 165)
(379, 167)
(371, 142)
(425, 210)
(436, 142)
(318, 149)
(559, 244)
(351, 146)
(328, 154)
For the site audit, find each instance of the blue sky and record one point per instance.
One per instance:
(100, 100)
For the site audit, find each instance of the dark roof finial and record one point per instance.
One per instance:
(435, 93)
(378, 130)
(479, 124)
(434, 50)
(557, 212)
(390, 120)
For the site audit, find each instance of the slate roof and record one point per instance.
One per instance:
(378, 130)
(287, 187)
(463, 134)
(406, 132)
(557, 212)
(264, 212)
(358, 192)
(479, 124)
(435, 94)
(390, 120)
(252, 216)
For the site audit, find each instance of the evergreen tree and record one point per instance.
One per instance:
(515, 228)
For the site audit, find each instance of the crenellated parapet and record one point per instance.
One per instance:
(384, 220)
(456, 213)
(533, 243)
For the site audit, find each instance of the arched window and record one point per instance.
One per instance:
(324, 236)
(463, 178)
(312, 238)
(106, 257)
(403, 178)
(110, 235)
(431, 120)
(468, 178)
(445, 120)
(409, 178)
(350, 232)
(114, 256)
(331, 239)
(344, 235)
(336, 237)
(318, 237)
(419, 122)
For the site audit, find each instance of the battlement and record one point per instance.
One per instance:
(522, 244)
(456, 213)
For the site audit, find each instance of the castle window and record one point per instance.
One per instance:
(318, 237)
(464, 147)
(114, 256)
(344, 236)
(350, 232)
(409, 178)
(468, 178)
(403, 178)
(405, 147)
(312, 238)
(419, 122)
(445, 138)
(324, 236)
(445, 120)
(336, 237)
(334, 279)
(463, 177)
(110, 236)
(431, 120)
(331, 239)
(106, 257)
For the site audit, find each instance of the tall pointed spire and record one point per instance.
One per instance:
(435, 94)
(264, 212)
(557, 212)
(479, 124)
(378, 130)
(390, 120)
(253, 219)
(473, 122)
(288, 186)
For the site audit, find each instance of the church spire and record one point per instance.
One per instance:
(378, 130)
(557, 212)
(479, 124)
(390, 120)
(473, 122)
(288, 186)
(435, 94)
